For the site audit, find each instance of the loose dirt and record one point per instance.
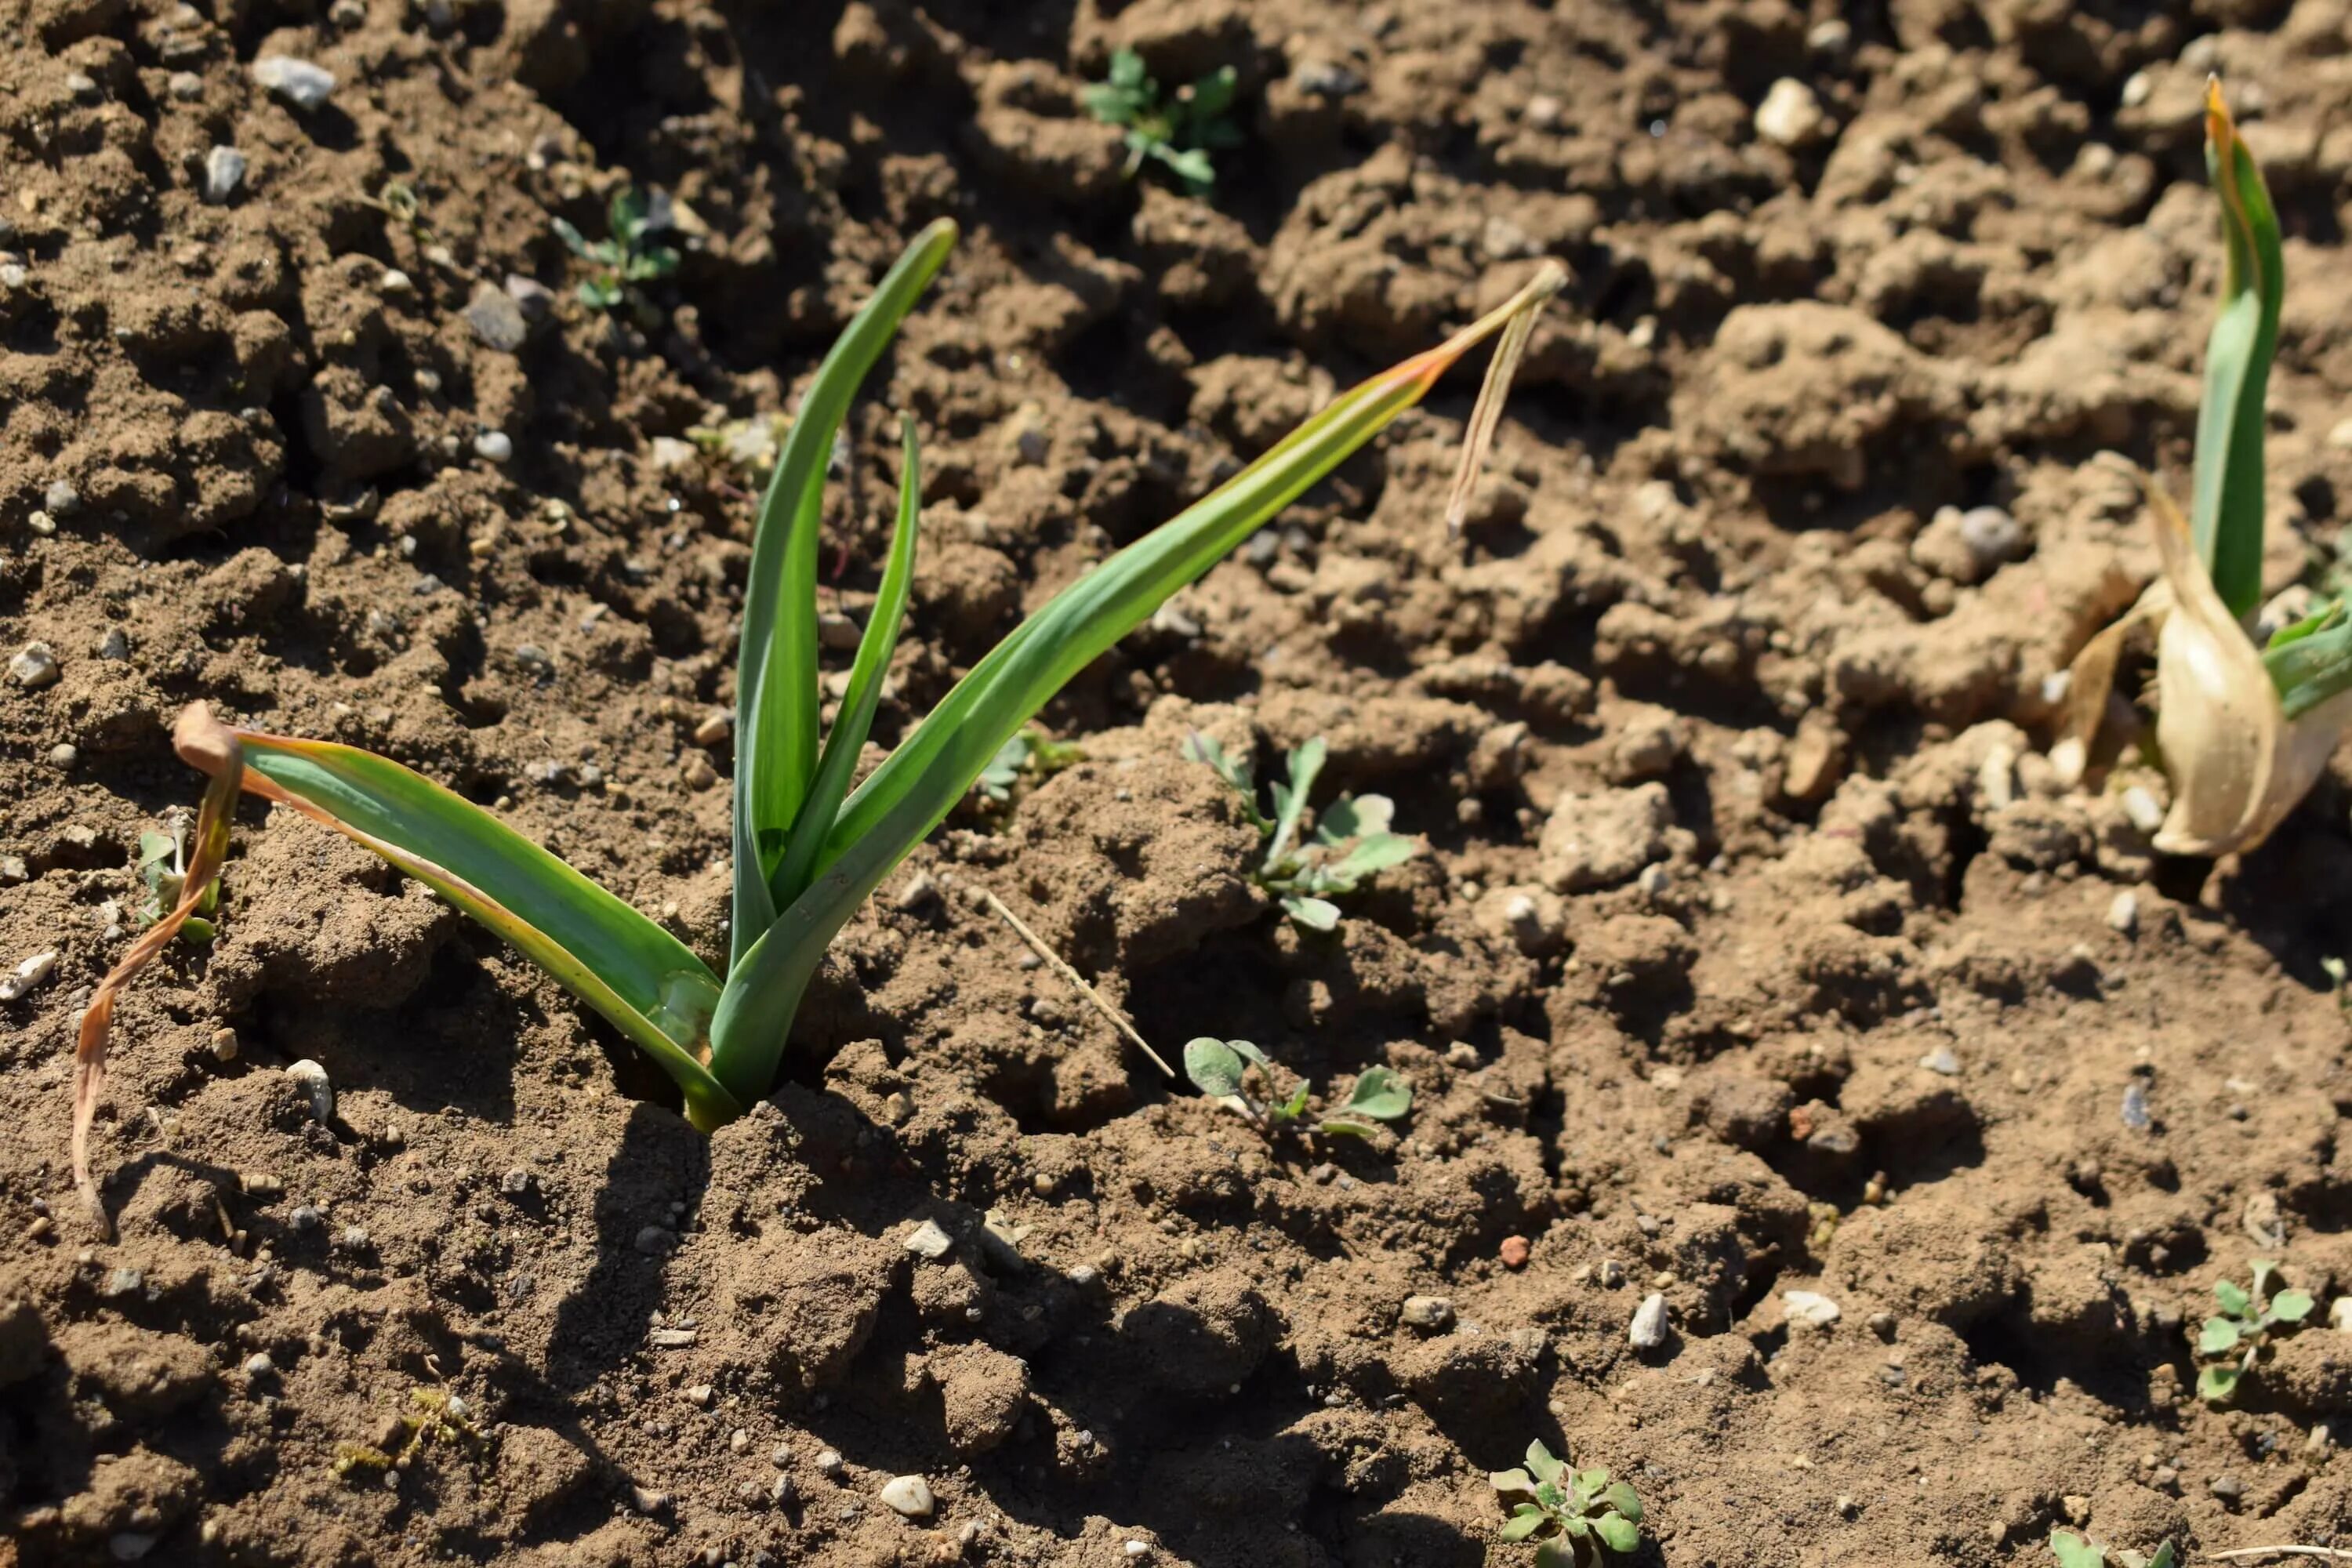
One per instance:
(1753, 948)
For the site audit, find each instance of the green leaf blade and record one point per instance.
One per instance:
(625, 966)
(2226, 497)
(855, 719)
(2218, 1337)
(1382, 1093)
(776, 663)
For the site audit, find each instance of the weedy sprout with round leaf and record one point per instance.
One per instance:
(1220, 1069)
(807, 848)
(2242, 731)
(1574, 1516)
(2074, 1551)
(2235, 1337)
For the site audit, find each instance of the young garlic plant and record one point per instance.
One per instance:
(808, 848)
(2243, 732)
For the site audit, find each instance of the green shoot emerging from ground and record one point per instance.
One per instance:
(1029, 753)
(807, 848)
(1220, 1069)
(163, 870)
(2073, 1551)
(1351, 839)
(1574, 1516)
(1177, 132)
(2243, 729)
(627, 257)
(2240, 1332)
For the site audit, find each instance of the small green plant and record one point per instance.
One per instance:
(807, 849)
(1177, 132)
(1220, 1069)
(2243, 731)
(1030, 752)
(164, 867)
(1574, 1516)
(1351, 839)
(2240, 1332)
(628, 255)
(2073, 1551)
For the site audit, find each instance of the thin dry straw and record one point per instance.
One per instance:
(1054, 962)
(1487, 414)
(2238, 1552)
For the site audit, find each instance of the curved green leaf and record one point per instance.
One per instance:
(2225, 514)
(650, 984)
(775, 669)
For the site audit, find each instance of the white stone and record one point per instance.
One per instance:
(927, 1240)
(27, 976)
(909, 1496)
(224, 173)
(312, 1078)
(2122, 914)
(1810, 1307)
(494, 446)
(299, 82)
(34, 666)
(1790, 115)
(1649, 1328)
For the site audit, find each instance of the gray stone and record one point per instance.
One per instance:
(27, 977)
(497, 319)
(299, 82)
(1426, 1311)
(34, 666)
(225, 170)
(494, 446)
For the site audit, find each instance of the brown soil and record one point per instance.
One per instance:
(1753, 949)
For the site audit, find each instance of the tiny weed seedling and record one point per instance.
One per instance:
(1030, 752)
(2073, 1551)
(163, 870)
(806, 848)
(1218, 1069)
(2240, 1332)
(1574, 1516)
(628, 255)
(1177, 132)
(438, 1417)
(1351, 839)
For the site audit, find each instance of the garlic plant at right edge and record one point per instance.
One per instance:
(2242, 731)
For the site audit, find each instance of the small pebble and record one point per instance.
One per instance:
(299, 82)
(115, 646)
(1612, 1274)
(14, 870)
(494, 446)
(21, 980)
(225, 170)
(130, 1545)
(185, 86)
(1512, 1251)
(2136, 1112)
(2123, 913)
(82, 84)
(2339, 1314)
(1323, 78)
(123, 1282)
(305, 1218)
(829, 1464)
(258, 1365)
(61, 498)
(1791, 115)
(2228, 1489)
(920, 889)
(34, 666)
(1648, 1330)
(1811, 1307)
(700, 1394)
(41, 523)
(1426, 1311)
(312, 1079)
(837, 632)
(497, 319)
(671, 1339)
(908, 1496)
(927, 1240)
(782, 1491)
(646, 1501)
(517, 1182)
(655, 1240)
(714, 730)
(697, 772)
(2140, 806)
(64, 754)
(1941, 1061)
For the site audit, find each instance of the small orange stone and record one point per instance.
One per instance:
(1515, 1252)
